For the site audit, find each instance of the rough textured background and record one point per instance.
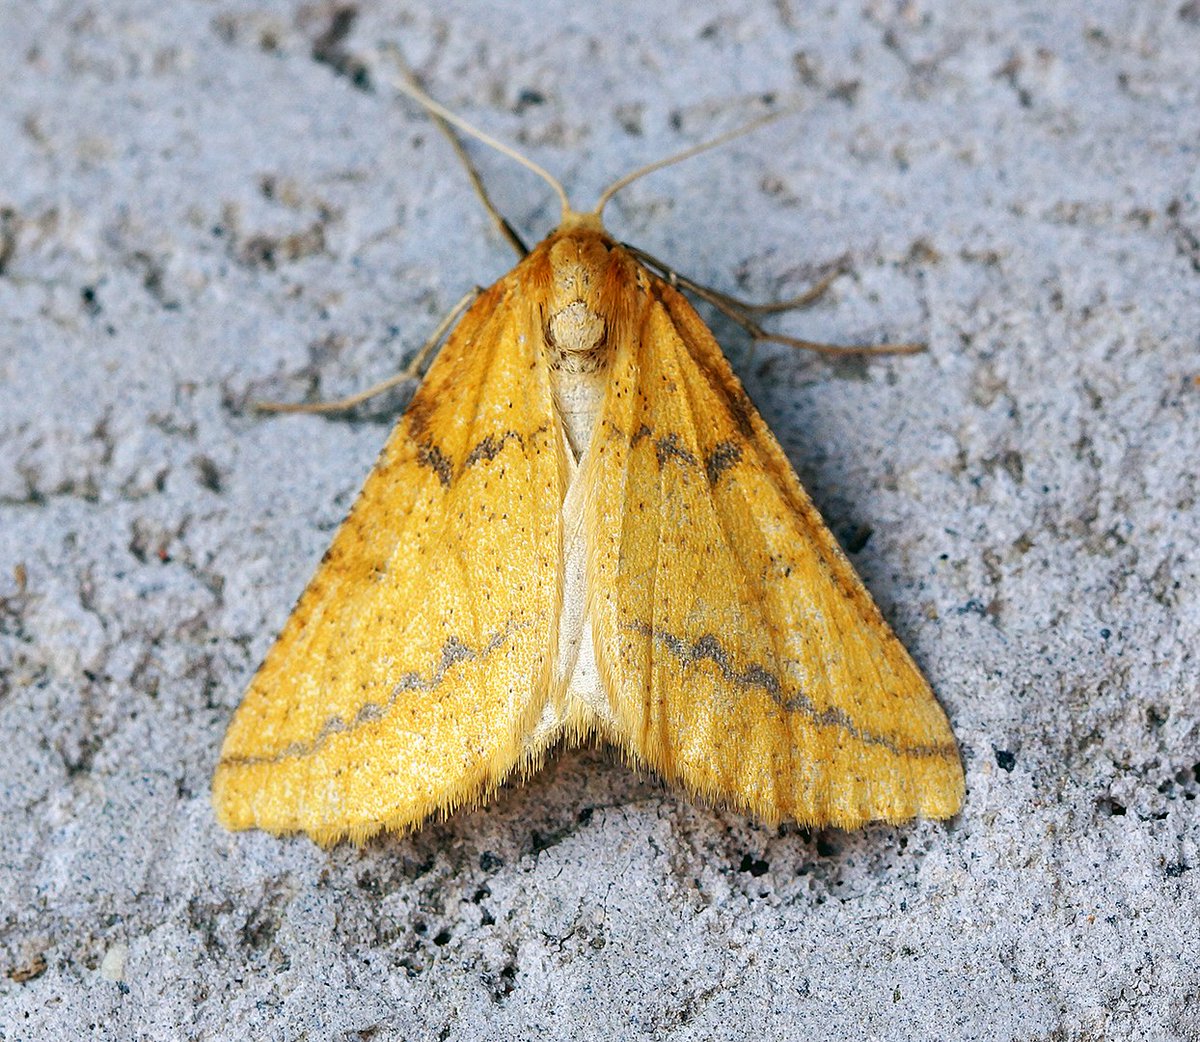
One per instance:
(201, 202)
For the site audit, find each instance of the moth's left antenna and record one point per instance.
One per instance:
(407, 84)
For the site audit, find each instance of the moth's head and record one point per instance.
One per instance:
(574, 221)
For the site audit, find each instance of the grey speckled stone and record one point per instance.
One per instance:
(197, 204)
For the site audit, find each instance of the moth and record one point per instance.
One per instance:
(581, 529)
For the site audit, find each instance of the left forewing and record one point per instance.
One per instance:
(416, 662)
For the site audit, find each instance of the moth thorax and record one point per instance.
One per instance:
(575, 335)
(578, 355)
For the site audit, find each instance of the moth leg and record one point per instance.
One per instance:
(742, 312)
(798, 303)
(498, 219)
(409, 372)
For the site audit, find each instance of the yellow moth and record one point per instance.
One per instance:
(581, 528)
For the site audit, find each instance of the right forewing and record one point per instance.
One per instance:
(741, 654)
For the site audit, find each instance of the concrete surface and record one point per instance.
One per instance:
(204, 202)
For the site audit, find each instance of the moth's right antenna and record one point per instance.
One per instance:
(687, 153)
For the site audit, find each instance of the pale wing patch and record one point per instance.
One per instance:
(742, 654)
(419, 655)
